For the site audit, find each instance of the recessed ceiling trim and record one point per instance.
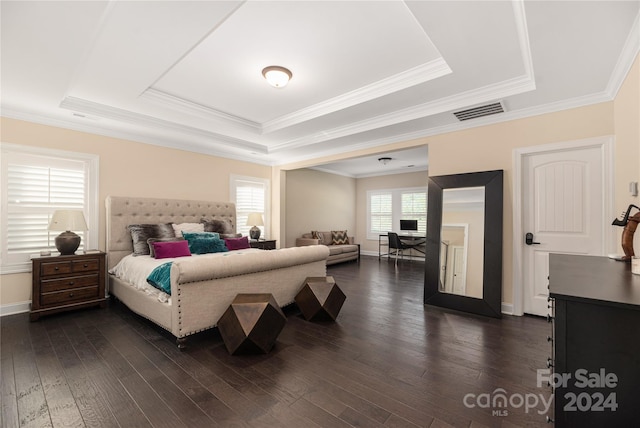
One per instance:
(101, 110)
(414, 76)
(458, 126)
(189, 107)
(477, 96)
(625, 60)
(522, 29)
(212, 149)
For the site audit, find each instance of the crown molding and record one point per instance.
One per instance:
(194, 109)
(420, 74)
(477, 96)
(94, 128)
(625, 60)
(404, 170)
(520, 20)
(459, 126)
(414, 76)
(126, 116)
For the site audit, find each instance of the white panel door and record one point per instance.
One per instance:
(459, 271)
(563, 206)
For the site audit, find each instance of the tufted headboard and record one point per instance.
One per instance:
(123, 211)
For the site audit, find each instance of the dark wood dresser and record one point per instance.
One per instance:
(263, 244)
(63, 283)
(596, 338)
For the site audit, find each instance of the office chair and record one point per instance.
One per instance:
(396, 244)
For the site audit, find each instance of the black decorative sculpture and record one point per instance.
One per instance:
(630, 224)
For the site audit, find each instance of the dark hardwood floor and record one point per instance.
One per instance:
(387, 361)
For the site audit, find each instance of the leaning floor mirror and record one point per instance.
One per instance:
(463, 269)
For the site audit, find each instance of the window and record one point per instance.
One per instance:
(381, 212)
(414, 207)
(251, 195)
(386, 207)
(35, 183)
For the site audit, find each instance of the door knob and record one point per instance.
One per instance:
(528, 239)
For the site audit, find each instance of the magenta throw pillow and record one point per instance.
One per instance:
(170, 249)
(237, 243)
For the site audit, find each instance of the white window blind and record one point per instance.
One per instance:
(381, 213)
(33, 187)
(414, 207)
(386, 207)
(251, 196)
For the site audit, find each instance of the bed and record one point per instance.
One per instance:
(201, 287)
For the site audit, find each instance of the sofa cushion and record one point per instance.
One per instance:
(322, 237)
(339, 237)
(349, 248)
(341, 249)
(334, 250)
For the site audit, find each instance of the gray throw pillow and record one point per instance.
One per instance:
(140, 233)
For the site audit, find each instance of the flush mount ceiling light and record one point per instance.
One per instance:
(277, 76)
(384, 160)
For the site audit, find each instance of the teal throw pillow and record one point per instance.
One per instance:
(160, 277)
(205, 242)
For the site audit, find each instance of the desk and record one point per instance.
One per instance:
(421, 241)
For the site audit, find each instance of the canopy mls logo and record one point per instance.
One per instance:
(499, 401)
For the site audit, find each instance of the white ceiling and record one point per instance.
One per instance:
(365, 73)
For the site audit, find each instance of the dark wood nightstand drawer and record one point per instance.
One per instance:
(68, 296)
(71, 266)
(86, 265)
(58, 284)
(64, 283)
(55, 268)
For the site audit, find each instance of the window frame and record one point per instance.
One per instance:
(396, 203)
(91, 208)
(234, 180)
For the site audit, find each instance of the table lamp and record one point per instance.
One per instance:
(67, 220)
(255, 220)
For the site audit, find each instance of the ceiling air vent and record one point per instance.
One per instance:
(480, 111)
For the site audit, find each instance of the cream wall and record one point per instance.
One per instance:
(393, 181)
(626, 116)
(491, 147)
(127, 169)
(318, 201)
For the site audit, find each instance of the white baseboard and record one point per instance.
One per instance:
(369, 253)
(15, 308)
(507, 308)
(375, 254)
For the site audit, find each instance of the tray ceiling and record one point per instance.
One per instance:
(365, 73)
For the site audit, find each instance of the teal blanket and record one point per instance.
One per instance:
(160, 277)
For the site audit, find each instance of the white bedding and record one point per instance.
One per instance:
(136, 269)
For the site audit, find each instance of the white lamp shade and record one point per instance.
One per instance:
(68, 220)
(255, 219)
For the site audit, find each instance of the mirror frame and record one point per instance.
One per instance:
(491, 302)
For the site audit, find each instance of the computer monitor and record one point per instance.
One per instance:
(411, 225)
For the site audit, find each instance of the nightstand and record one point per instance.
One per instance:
(64, 283)
(263, 244)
